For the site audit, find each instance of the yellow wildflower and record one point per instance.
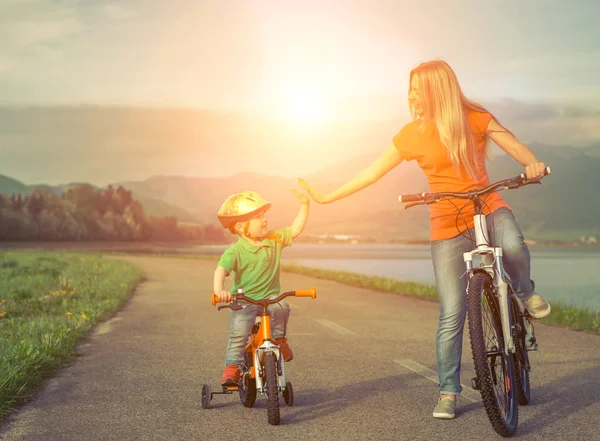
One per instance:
(2, 314)
(69, 314)
(83, 316)
(3, 301)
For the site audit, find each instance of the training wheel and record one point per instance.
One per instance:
(288, 394)
(206, 396)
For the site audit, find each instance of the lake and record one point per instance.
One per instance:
(567, 274)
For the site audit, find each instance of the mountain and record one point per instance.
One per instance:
(9, 186)
(565, 206)
(155, 207)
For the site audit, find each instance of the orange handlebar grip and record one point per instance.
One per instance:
(307, 292)
(214, 299)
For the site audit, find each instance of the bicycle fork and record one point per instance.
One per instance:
(492, 263)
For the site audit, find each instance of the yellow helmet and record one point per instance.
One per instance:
(240, 207)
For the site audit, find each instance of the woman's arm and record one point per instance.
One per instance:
(519, 151)
(382, 165)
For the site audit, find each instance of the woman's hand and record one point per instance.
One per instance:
(317, 196)
(535, 171)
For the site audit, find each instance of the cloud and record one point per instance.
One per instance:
(29, 26)
(549, 123)
(119, 12)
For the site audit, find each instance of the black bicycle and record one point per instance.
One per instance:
(500, 328)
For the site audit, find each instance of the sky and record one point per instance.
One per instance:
(308, 62)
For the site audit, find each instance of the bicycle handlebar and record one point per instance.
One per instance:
(431, 198)
(265, 302)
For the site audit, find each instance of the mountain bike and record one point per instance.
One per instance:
(263, 370)
(500, 329)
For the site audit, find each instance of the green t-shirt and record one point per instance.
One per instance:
(256, 267)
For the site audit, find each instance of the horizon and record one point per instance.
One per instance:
(291, 88)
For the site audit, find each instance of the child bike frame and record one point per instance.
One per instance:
(263, 369)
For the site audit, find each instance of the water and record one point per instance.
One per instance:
(570, 275)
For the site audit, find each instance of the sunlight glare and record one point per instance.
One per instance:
(307, 109)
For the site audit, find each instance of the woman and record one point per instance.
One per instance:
(448, 139)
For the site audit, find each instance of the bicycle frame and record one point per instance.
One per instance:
(492, 263)
(259, 346)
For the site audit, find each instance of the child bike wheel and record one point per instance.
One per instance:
(206, 396)
(248, 390)
(288, 394)
(495, 370)
(272, 388)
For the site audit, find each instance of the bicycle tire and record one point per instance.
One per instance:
(521, 356)
(500, 403)
(272, 388)
(247, 390)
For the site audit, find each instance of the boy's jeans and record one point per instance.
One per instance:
(451, 280)
(241, 323)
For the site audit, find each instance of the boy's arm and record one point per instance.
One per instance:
(300, 221)
(218, 283)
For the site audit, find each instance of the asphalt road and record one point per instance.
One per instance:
(363, 369)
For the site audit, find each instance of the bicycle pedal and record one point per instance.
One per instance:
(475, 383)
(533, 347)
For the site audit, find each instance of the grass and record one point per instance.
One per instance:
(48, 302)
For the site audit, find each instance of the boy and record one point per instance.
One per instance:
(255, 260)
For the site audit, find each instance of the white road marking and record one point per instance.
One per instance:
(334, 326)
(467, 392)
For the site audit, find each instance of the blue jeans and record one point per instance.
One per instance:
(451, 280)
(241, 323)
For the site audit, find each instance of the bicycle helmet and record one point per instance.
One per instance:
(241, 207)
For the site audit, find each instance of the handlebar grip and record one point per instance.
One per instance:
(411, 197)
(214, 299)
(546, 173)
(306, 292)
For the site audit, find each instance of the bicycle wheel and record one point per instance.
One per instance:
(495, 370)
(248, 390)
(521, 355)
(272, 388)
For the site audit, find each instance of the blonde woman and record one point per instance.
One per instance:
(448, 139)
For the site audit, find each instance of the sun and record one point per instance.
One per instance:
(307, 109)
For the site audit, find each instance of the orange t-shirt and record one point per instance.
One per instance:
(426, 148)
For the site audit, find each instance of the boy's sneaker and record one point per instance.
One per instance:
(537, 306)
(445, 408)
(231, 375)
(284, 347)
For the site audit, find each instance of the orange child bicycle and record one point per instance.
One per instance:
(263, 371)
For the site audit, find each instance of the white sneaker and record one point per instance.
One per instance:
(445, 408)
(536, 306)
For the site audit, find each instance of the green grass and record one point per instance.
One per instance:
(374, 282)
(48, 302)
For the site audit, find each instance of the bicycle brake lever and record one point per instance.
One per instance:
(235, 306)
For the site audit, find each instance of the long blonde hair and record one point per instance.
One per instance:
(444, 103)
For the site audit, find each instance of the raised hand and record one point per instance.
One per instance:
(303, 199)
(316, 195)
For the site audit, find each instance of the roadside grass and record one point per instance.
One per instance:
(48, 302)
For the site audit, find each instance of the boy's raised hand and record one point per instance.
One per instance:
(316, 195)
(303, 198)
